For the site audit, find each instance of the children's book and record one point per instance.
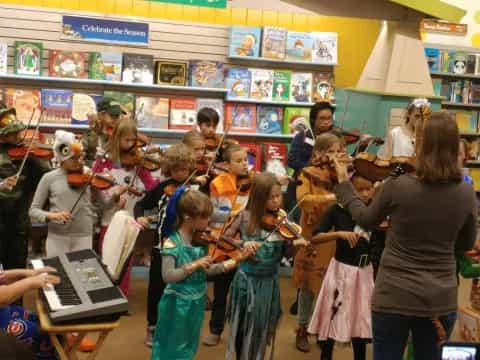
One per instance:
(25, 101)
(105, 66)
(245, 41)
(471, 63)
(28, 58)
(261, 84)
(322, 86)
(3, 58)
(126, 99)
(183, 113)
(325, 48)
(152, 112)
(433, 58)
(218, 106)
(68, 64)
(269, 119)
(171, 73)
(295, 119)
(57, 106)
(274, 158)
(299, 46)
(301, 87)
(240, 117)
(83, 106)
(137, 68)
(459, 63)
(238, 83)
(208, 74)
(253, 155)
(281, 85)
(274, 42)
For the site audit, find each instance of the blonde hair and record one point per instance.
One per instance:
(325, 141)
(193, 203)
(262, 185)
(230, 150)
(192, 137)
(178, 155)
(123, 127)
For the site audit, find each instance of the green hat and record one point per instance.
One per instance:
(12, 126)
(109, 105)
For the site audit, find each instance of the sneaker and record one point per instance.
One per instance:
(211, 340)
(149, 336)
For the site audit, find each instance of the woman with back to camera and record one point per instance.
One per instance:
(433, 216)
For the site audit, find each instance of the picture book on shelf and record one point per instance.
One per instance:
(459, 63)
(105, 66)
(301, 87)
(269, 119)
(171, 73)
(238, 83)
(274, 159)
(126, 99)
(25, 101)
(467, 121)
(83, 105)
(295, 119)
(433, 58)
(209, 74)
(137, 68)
(28, 58)
(217, 105)
(68, 64)
(3, 58)
(471, 63)
(240, 117)
(274, 42)
(253, 156)
(299, 46)
(57, 106)
(261, 84)
(325, 48)
(183, 113)
(322, 85)
(152, 112)
(245, 41)
(281, 85)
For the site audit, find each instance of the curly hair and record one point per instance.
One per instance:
(176, 156)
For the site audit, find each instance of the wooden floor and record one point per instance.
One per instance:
(126, 343)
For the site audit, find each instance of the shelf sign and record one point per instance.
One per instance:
(205, 3)
(109, 31)
(443, 27)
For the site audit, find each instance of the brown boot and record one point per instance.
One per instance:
(301, 341)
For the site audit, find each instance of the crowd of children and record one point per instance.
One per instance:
(334, 263)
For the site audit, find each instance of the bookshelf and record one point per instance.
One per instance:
(450, 104)
(252, 60)
(455, 76)
(262, 102)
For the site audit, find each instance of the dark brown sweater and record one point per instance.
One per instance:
(429, 224)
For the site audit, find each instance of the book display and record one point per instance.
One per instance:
(208, 74)
(171, 73)
(245, 41)
(105, 66)
(68, 64)
(28, 58)
(137, 68)
(183, 113)
(3, 58)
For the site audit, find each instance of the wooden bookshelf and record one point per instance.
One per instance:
(251, 60)
(263, 102)
(469, 134)
(454, 76)
(460, 105)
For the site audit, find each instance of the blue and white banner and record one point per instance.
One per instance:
(98, 30)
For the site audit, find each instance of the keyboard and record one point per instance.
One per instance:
(85, 294)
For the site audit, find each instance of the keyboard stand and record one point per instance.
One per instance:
(56, 332)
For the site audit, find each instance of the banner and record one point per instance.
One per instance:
(206, 3)
(443, 27)
(110, 31)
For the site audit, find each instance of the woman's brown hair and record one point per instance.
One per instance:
(193, 203)
(123, 127)
(262, 185)
(176, 156)
(437, 155)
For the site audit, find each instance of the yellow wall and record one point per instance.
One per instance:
(356, 36)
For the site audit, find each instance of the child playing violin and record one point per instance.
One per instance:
(207, 122)
(185, 268)
(101, 128)
(15, 191)
(178, 165)
(314, 195)
(15, 320)
(196, 142)
(228, 199)
(66, 231)
(254, 309)
(132, 179)
(342, 312)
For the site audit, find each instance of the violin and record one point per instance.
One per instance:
(211, 142)
(244, 183)
(371, 167)
(219, 248)
(130, 158)
(78, 180)
(151, 163)
(202, 165)
(142, 140)
(40, 151)
(278, 220)
(350, 136)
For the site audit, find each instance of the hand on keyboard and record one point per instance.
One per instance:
(47, 270)
(44, 280)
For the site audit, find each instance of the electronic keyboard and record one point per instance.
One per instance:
(85, 293)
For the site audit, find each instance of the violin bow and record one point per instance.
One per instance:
(220, 143)
(30, 145)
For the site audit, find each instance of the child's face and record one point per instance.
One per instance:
(200, 222)
(108, 121)
(414, 117)
(363, 188)
(274, 202)
(128, 141)
(324, 121)
(73, 164)
(207, 129)
(198, 148)
(333, 151)
(239, 163)
(180, 173)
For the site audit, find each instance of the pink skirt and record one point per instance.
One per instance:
(343, 311)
